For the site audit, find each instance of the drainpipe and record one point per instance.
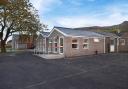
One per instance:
(117, 44)
(45, 46)
(104, 46)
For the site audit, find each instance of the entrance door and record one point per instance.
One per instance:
(112, 45)
(61, 45)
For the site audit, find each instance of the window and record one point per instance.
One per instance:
(55, 44)
(61, 45)
(50, 40)
(96, 40)
(74, 44)
(50, 45)
(86, 43)
(122, 41)
(55, 40)
(61, 42)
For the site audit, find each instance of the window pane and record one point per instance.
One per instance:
(61, 41)
(61, 49)
(74, 45)
(50, 41)
(85, 45)
(56, 45)
(55, 39)
(55, 49)
(50, 45)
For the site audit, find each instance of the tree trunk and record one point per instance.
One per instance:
(3, 48)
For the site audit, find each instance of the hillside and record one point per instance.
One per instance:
(123, 27)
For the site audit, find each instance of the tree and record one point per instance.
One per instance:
(17, 16)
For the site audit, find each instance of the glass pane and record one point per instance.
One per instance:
(50, 45)
(50, 41)
(61, 49)
(55, 49)
(55, 39)
(55, 45)
(85, 45)
(74, 45)
(61, 41)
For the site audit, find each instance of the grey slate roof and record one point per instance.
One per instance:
(15, 36)
(45, 34)
(73, 32)
(108, 34)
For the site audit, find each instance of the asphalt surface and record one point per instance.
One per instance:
(26, 71)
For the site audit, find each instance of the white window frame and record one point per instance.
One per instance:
(60, 45)
(75, 43)
(50, 42)
(86, 43)
(122, 40)
(55, 42)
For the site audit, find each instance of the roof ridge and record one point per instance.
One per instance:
(62, 27)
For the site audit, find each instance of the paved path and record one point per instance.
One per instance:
(25, 71)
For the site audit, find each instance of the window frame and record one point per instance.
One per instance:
(55, 44)
(124, 42)
(85, 43)
(77, 43)
(61, 46)
(50, 44)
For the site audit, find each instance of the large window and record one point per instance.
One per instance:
(50, 45)
(55, 44)
(86, 43)
(75, 43)
(61, 45)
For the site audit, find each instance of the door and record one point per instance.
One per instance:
(112, 45)
(61, 45)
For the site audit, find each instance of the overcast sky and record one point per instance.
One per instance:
(82, 13)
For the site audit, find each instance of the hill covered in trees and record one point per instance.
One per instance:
(123, 27)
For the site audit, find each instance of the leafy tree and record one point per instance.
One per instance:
(17, 16)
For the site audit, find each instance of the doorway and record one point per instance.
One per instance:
(112, 45)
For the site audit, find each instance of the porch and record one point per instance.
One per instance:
(50, 48)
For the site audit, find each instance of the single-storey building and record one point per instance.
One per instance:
(70, 42)
(123, 42)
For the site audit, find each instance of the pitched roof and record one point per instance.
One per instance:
(123, 34)
(73, 32)
(107, 34)
(86, 33)
(45, 34)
